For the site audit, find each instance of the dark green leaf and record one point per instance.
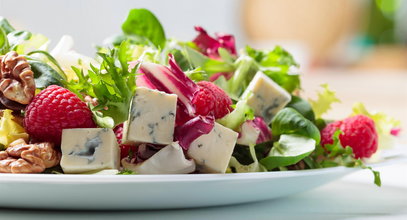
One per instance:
(51, 59)
(44, 75)
(143, 23)
(289, 121)
(302, 106)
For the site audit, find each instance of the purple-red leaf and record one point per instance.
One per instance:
(209, 46)
(192, 129)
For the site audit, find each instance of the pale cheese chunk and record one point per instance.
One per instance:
(89, 149)
(265, 97)
(213, 151)
(151, 118)
(168, 160)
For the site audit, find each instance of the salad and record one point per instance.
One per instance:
(148, 104)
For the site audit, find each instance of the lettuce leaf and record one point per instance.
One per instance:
(241, 113)
(384, 124)
(323, 104)
(277, 64)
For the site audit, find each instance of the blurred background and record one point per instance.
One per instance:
(357, 46)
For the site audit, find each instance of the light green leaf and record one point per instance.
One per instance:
(289, 150)
(240, 114)
(4, 45)
(324, 102)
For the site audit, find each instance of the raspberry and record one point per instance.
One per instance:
(118, 131)
(211, 100)
(358, 132)
(328, 132)
(54, 109)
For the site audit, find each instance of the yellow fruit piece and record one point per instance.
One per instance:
(10, 130)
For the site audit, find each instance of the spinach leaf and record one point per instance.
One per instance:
(289, 121)
(44, 75)
(289, 150)
(302, 106)
(144, 24)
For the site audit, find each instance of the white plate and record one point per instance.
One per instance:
(117, 192)
(155, 191)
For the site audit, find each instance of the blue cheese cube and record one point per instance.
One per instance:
(265, 96)
(168, 160)
(151, 118)
(89, 149)
(213, 151)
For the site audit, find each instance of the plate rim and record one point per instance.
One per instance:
(162, 178)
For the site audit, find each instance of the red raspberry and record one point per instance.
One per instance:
(211, 100)
(358, 132)
(328, 132)
(118, 131)
(54, 109)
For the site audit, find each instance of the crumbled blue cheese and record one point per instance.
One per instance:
(89, 149)
(265, 97)
(151, 118)
(168, 160)
(212, 151)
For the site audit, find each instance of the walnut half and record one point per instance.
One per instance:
(21, 157)
(17, 83)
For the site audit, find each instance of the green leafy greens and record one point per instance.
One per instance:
(143, 24)
(112, 84)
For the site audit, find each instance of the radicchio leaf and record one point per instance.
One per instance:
(173, 81)
(192, 129)
(209, 46)
(265, 134)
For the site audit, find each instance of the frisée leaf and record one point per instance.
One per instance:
(323, 104)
